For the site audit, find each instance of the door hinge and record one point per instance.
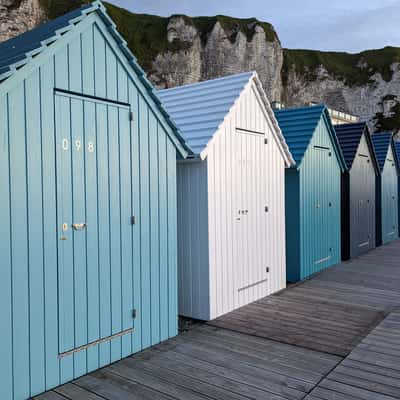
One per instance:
(133, 220)
(130, 116)
(134, 313)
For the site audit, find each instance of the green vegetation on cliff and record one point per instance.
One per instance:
(147, 34)
(353, 69)
(55, 8)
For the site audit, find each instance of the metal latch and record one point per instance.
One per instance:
(79, 227)
(133, 220)
(134, 313)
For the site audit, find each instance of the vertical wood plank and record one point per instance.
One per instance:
(19, 242)
(172, 240)
(6, 344)
(88, 67)
(66, 304)
(115, 232)
(163, 218)
(49, 225)
(126, 227)
(35, 235)
(104, 233)
(111, 74)
(75, 65)
(135, 148)
(78, 150)
(61, 64)
(92, 244)
(99, 63)
(154, 231)
(145, 222)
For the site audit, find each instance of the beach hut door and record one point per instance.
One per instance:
(252, 212)
(94, 231)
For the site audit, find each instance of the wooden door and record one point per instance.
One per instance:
(94, 211)
(251, 216)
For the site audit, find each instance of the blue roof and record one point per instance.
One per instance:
(381, 142)
(198, 109)
(349, 137)
(17, 52)
(298, 126)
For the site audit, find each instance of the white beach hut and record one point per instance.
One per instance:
(231, 195)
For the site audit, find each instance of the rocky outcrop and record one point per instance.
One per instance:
(217, 55)
(18, 16)
(376, 101)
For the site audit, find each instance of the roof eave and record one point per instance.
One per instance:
(289, 160)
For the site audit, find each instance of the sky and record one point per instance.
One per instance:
(336, 25)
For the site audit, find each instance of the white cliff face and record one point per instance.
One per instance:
(179, 68)
(18, 16)
(217, 56)
(366, 101)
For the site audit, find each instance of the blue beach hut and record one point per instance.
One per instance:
(88, 211)
(312, 189)
(387, 228)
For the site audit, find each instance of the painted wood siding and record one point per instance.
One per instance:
(89, 64)
(193, 254)
(245, 174)
(389, 201)
(362, 202)
(320, 195)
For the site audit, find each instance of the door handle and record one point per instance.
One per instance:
(79, 227)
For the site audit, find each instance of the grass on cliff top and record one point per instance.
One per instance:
(354, 69)
(147, 34)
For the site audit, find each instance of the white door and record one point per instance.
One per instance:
(251, 215)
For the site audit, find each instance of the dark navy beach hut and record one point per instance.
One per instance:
(313, 233)
(88, 236)
(358, 189)
(387, 209)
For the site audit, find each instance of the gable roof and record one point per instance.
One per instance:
(298, 126)
(349, 137)
(200, 108)
(19, 51)
(381, 142)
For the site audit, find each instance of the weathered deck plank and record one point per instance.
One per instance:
(310, 324)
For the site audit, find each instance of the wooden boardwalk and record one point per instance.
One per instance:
(371, 371)
(332, 311)
(294, 350)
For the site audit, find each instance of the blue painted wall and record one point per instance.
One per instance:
(313, 208)
(389, 200)
(51, 301)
